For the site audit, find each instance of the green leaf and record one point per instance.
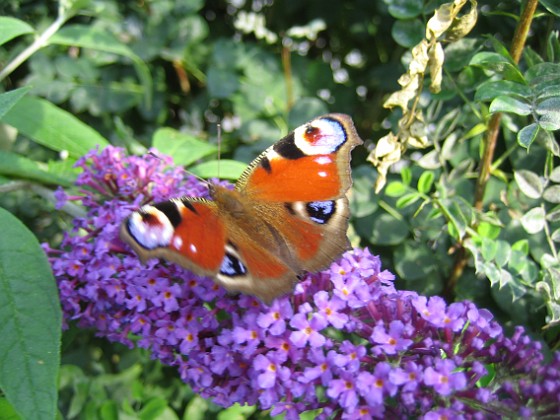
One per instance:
(11, 28)
(7, 410)
(529, 183)
(408, 33)
(494, 88)
(488, 230)
(492, 272)
(509, 104)
(184, 148)
(552, 194)
(31, 322)
(305, 109)
(222, 83)
(237, 411)
(362, 200)
(488, 249)
(225, 169)
(382, 229)
(406, 176)
(552, 6)
(14, 165)
(413, 261)
(533, 221)
(9, 99)
(425, 182)
(549, 111)
(555, 175)
(542, 73)
(555, 236)
(553, 216)
(527, 135)
(407, 200)
(404, 9)
(497, 63)
(153, 409)
(503, 253)
(522, 246)
(396, 189)
(53, 127)
(100, 40)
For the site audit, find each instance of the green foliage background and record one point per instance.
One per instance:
(165, 73)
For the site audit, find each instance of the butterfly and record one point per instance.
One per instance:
(287, 214)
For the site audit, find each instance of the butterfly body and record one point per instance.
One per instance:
(287, 214)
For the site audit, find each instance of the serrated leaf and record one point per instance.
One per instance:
(11, 28)
(527, 135)
(552, 194)
(184, 148)
(225, 169)
(9, 99)
(509, 104)
(30, 320)
(533, 221)
(53, 127)
(529, 183)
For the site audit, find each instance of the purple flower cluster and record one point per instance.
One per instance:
(346, 343)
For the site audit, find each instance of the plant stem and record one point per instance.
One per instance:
(39, 43)
(287, 65)
(491, 138)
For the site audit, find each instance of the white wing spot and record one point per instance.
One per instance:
(323, 160)
(193, 248)
(177, 242)
(322, 174)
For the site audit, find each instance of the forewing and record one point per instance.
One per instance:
(187, 231)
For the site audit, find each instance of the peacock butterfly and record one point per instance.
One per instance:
(287, 214)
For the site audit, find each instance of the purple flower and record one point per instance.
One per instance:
(275, 319)
(392, 341)
(344, 390)
(443, 378)
(270, 369)
(307, 330)
(345, 343)
(328, 309)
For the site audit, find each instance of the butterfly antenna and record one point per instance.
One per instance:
(219, 128)
(156, 156)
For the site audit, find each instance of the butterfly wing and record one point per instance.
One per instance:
(187, 231)
(299, 187)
